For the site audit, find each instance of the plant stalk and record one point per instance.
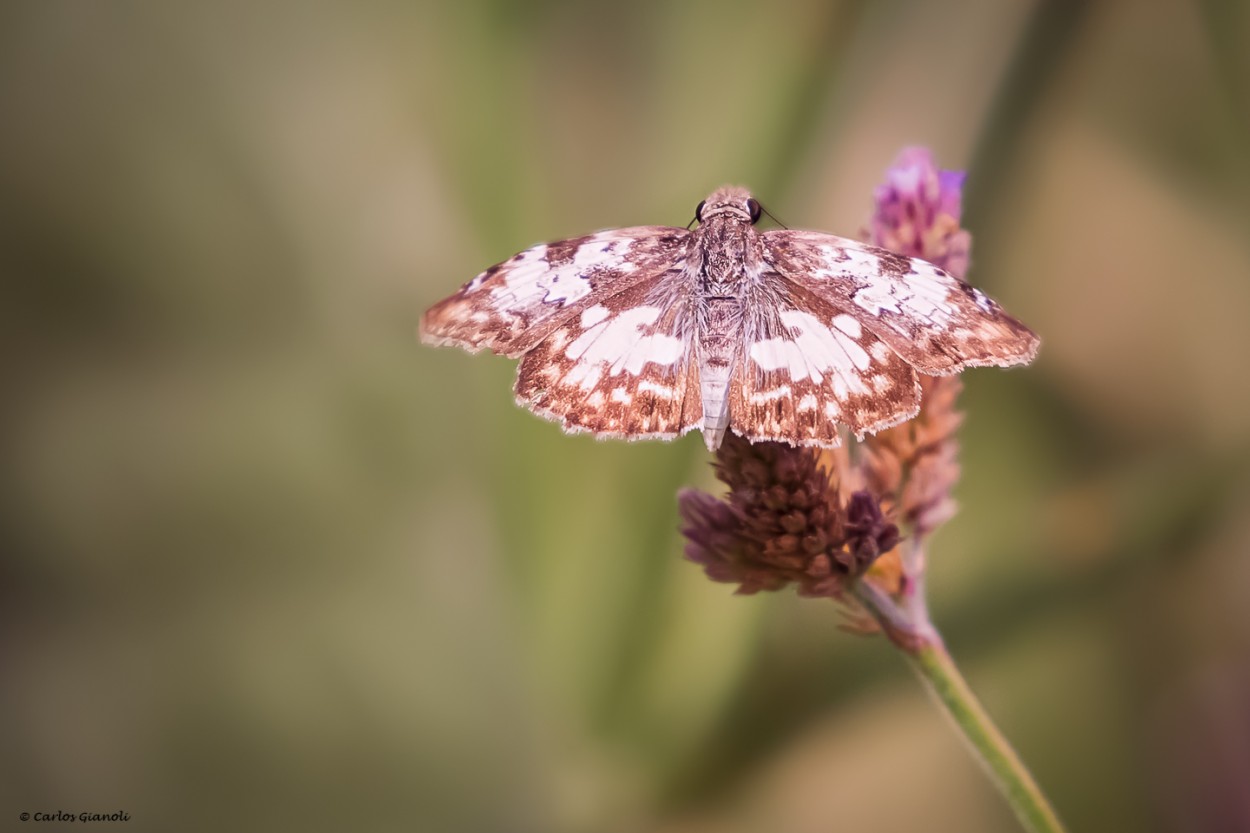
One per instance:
(924, 649)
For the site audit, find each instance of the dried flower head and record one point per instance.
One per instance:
(784, 521)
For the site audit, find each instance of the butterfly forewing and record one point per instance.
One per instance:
(936, 322)
(513, 305)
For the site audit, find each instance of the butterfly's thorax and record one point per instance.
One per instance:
(726, 249)
(722, 248)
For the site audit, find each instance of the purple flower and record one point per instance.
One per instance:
(918, 210)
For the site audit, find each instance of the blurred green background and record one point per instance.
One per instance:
(273, 565)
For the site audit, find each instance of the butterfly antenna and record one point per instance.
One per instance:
(770, 215)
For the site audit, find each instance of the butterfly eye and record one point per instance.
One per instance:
(753, 207)
(698, 210)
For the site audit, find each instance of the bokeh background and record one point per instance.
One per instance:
(270, 564)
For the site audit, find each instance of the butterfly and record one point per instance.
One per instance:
(783, 335)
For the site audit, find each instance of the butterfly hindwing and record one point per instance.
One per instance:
(807, 367)
(622, 368)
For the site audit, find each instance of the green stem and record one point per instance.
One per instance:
(923, 647)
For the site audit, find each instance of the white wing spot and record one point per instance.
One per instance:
(921, 296)
(593, 315)
(860, 262)
(618, 342)
(519, 286)
(851, 259)
(661, 391)
(927, 298)
(585, 375)
(563, 287)
(877, 296)
(529, 278)
(848, 325)
(816, 348)
(763, 397)
(807, 403)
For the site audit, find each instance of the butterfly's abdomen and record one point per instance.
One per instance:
(720, 325)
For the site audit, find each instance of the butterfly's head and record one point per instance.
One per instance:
(729, 201)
